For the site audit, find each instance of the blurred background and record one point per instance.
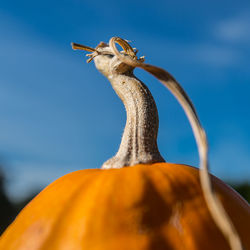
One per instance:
(58, 114)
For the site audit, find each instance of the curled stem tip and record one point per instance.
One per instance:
(124, 44)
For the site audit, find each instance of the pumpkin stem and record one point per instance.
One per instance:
(139, 140)
(77, 46)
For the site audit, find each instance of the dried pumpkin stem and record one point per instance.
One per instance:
(77, 46)
(127, 48)
(215, 207)
(139, 140)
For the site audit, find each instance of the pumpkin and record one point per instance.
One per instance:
(137, 200)
(147, 206)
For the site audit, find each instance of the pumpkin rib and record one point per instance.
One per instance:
(137, 212)
(237, 208)
(189, 192)
(25, 220)
(62, 217)
(192, 205)
(182, 194)
(158, 239)
(96, 236)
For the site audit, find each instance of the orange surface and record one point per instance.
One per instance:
(144, 207)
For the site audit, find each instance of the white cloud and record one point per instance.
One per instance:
(215, 55)
(235, 29)
(230, 38)
(205, 53)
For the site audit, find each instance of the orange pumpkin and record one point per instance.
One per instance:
(137, 201)
(156, 206)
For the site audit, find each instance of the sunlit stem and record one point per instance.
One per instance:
(77, 46)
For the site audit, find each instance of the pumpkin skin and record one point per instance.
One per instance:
(144, 207)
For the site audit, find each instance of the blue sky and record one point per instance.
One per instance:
(58, 114)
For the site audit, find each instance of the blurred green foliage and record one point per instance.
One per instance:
(243, 189)
(9, 209)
